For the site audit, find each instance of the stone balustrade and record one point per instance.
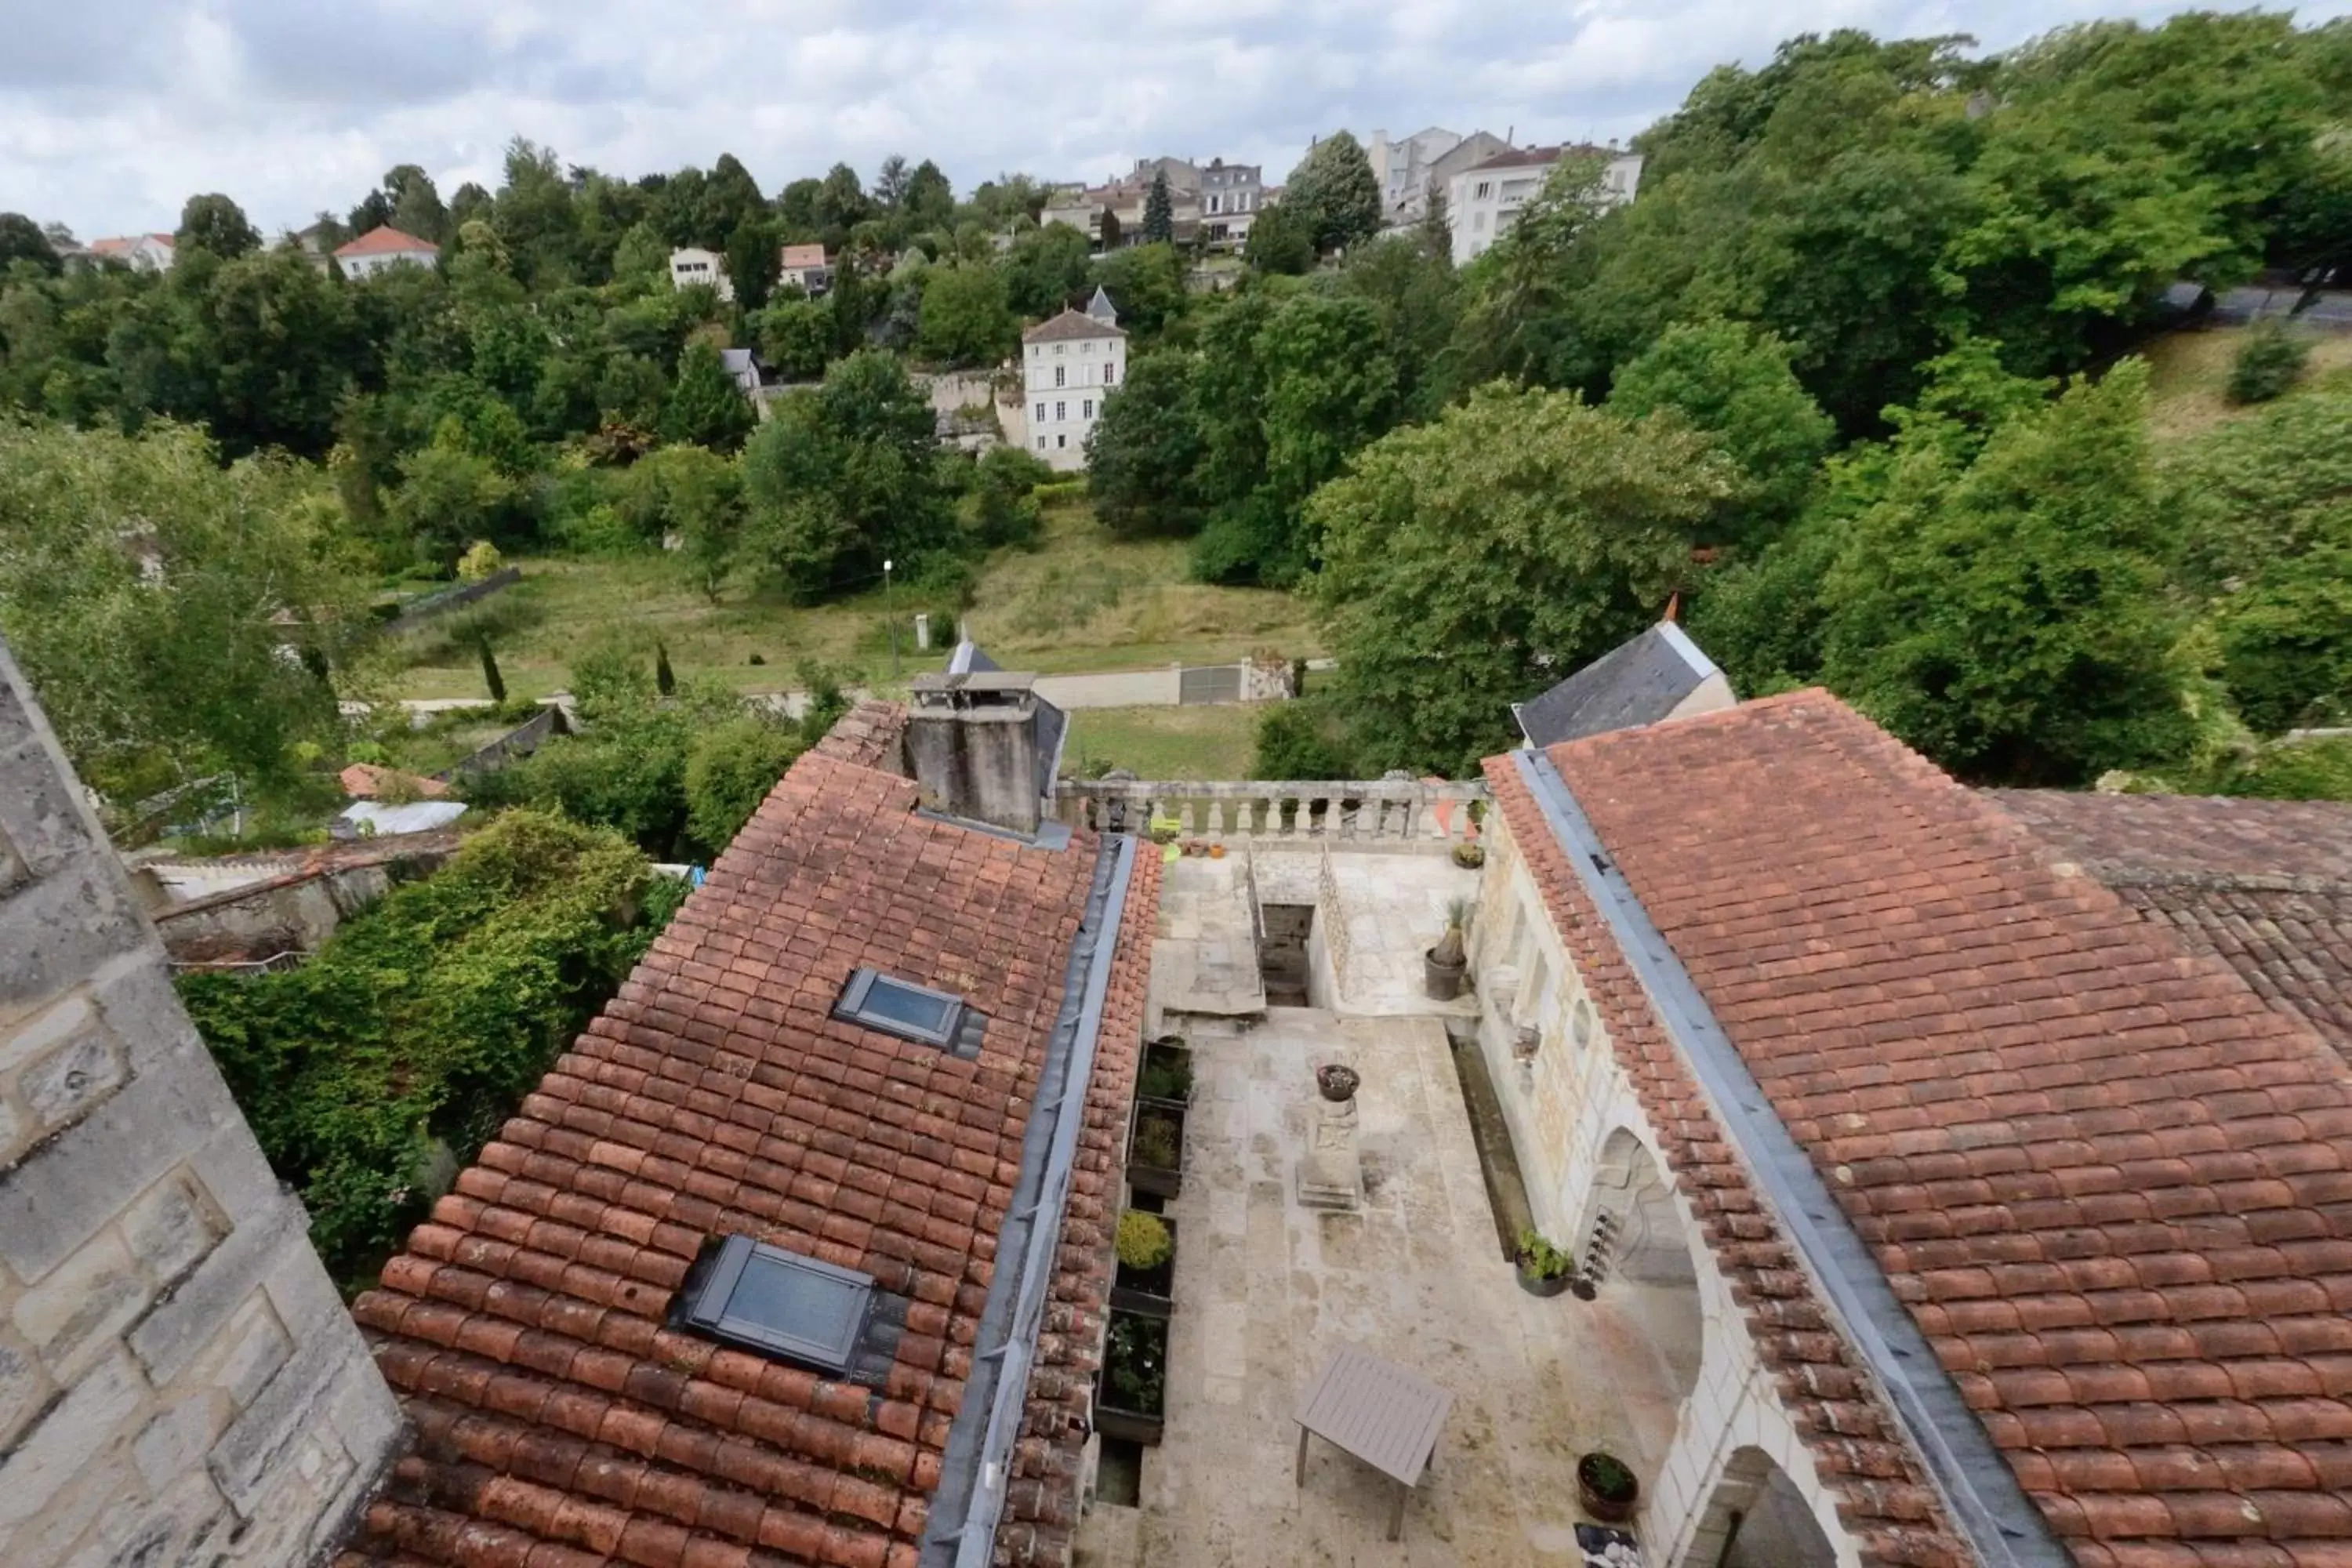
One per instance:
(1402, 812)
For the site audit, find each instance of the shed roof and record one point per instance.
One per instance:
(560, 1418)
(2109, 1185)
(1639, 682)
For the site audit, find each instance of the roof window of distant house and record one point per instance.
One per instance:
(773, 1302)
(912, 1012)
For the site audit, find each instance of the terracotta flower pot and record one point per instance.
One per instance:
(1606, 1488)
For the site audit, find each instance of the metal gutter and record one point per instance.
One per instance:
(977, 1464)
(1991, 1509)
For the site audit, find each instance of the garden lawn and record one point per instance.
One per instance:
(2191, 368)
(1083, 600)
(1215, 742)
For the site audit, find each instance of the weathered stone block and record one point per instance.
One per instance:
(135, 998)
(176, 1528)
(271, 1433)
(172, 1226)
(15, 1134)
(79, 1427)
(175, 1443)
(23, 1387)
(81, 1305)
(184, 1323)
(74, 1080)
(241, 1360)
(44, 1031)
(38, 811)
(62, 1194)
(63, 926)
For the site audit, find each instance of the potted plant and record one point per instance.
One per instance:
(1155, 1150)
(1131, 1396)
(1469, 855)
(1606, 1488)
(1445, 964)
(1166, 1075)
(1544, 1270)
(1146, 1282)
(1337, 1082)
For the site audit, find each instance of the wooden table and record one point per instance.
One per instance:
(1383, 1414)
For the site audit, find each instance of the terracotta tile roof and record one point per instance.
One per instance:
(387, 240)
(559, 1420)
(869, 736)
(1070, 326)
(2265, 885)
(2113, 1188)
(365, 781)
(799, 256)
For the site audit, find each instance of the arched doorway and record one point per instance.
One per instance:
(1635, 1250)
(1758, 1519)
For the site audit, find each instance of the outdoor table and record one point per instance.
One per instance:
(1383, 1414)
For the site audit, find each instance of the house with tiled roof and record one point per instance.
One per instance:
(1989, 1178)
(382, 248)
(144, 252)
(800, 1255)
(805, 267)
(1071, 364)
(1483, 200)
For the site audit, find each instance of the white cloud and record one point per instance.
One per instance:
(112, 113)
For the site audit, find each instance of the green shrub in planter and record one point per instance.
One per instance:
(1144, 1243)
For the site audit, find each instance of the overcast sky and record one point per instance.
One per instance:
(113, 111)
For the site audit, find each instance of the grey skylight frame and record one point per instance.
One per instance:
(959, 1033)
(708, 1305)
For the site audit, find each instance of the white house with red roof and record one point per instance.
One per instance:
(145, 252)
(384, 247)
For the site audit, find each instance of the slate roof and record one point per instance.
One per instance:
(1639, 682)
(2265, 885)
(560, 1422)
(387, 240)
(1070, 326)
(2112, 1186)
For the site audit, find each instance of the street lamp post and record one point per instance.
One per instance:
(890, 612)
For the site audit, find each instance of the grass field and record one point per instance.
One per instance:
(1203, 742)
(2191, 369)
(1083, 600)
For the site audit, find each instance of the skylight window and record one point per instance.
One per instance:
(912, 1012)
(765, 1299)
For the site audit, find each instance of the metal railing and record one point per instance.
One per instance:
(1402, 812)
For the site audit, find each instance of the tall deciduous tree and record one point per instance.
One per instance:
(157, 600)
(1335, 188)
(216, 226)
(21, 240)
(706, 407)
(1143, 454)
(965, 319)
(1472, 562)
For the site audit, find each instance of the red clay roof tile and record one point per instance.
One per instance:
(2144, 1264)
(558, 1419)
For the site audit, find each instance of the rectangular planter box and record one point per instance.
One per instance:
(1113, 1420)
(1165, 1075)
(1167, 1181)
(1140, 1299)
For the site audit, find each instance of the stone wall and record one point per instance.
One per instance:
(179, 1381)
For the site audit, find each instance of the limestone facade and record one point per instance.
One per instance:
(179, 1381)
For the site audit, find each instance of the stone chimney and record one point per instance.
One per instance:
(980, 746)
(179, 1381)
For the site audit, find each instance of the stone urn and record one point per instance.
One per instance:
(1337, 1083)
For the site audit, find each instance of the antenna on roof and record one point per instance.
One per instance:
(1510, 135)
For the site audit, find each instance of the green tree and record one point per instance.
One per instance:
(796, 338)
(216, 226)
(846, 478)
(1145, 282)
(153, 597)
(754, 261)
(965, 318)
(1335, 188)
(1045, 269)
(692, 494)
(706, 407)
(1158, 211)
(2007, 617)
(730, 771)
(21, 240)
(1472, 562)
(1142, 453)
(1281, 240)
(930, 202)
(1735, 383)
(448, 498)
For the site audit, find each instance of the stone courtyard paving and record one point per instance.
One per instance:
(1264, 1288)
